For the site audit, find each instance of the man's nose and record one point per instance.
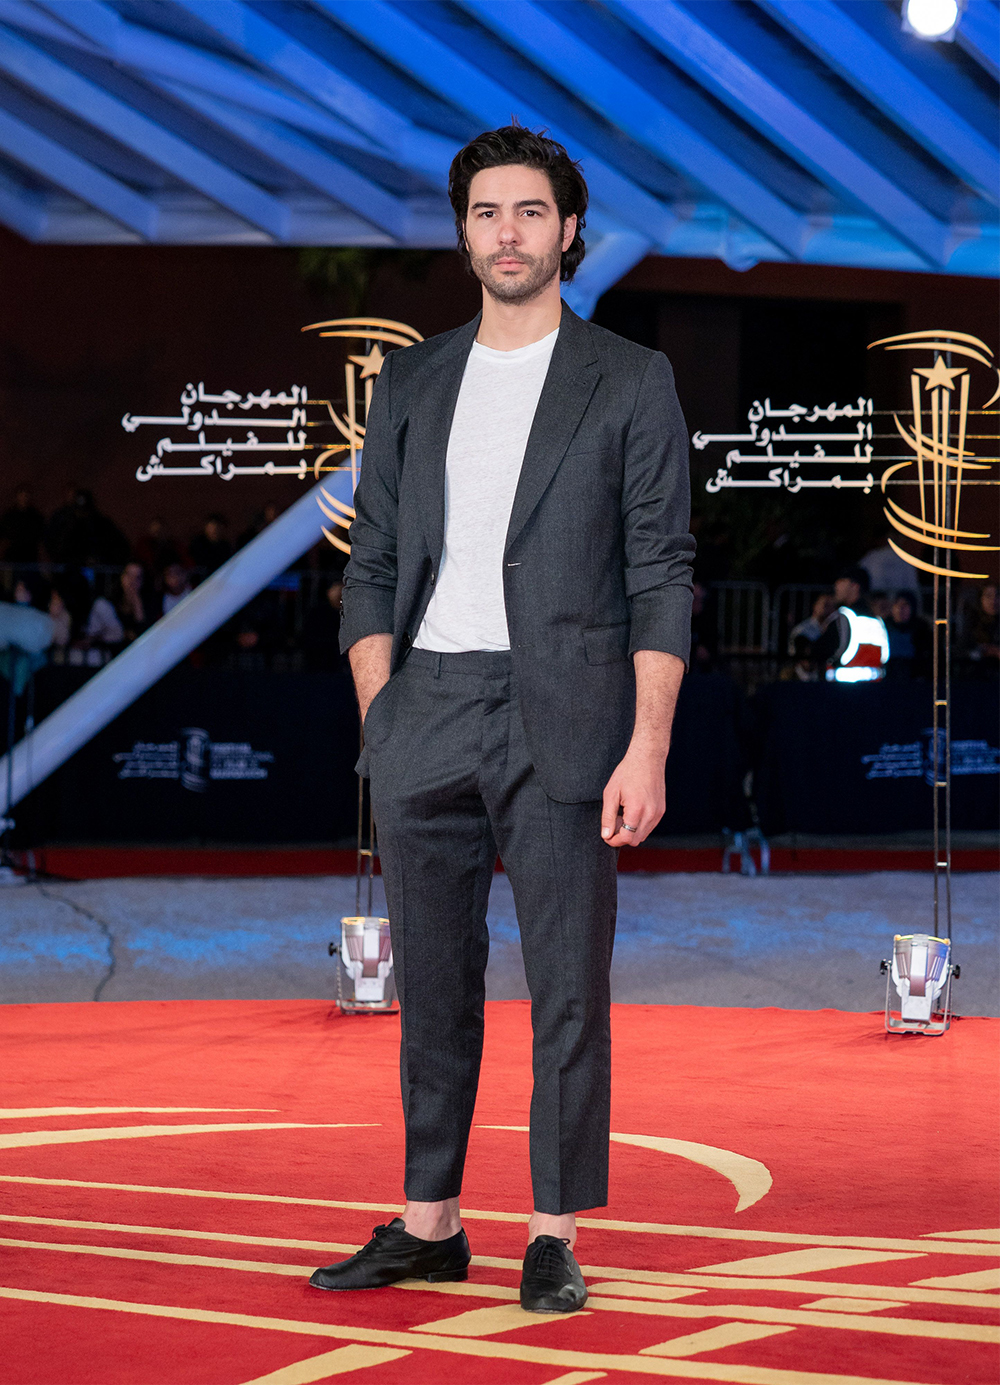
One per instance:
(508, 232)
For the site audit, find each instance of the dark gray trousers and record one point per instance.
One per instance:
(452, 784)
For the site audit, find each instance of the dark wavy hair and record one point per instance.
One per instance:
(513, 144)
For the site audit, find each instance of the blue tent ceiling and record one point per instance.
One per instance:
(802, 130)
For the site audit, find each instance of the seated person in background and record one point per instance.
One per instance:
(103, 630)
(259, 633)
(321, 630)
(880, 604)
(77, 598)
(249, 654)
(31, 591)
(810, 629)
(134, 606)
(176, 586)
(211, 548)
(805, 668)
(62, 622)
(980, 637)
(910, 644)
(156, 550)
(25, 635)
(35, 591)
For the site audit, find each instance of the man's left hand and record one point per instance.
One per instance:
(635, 798)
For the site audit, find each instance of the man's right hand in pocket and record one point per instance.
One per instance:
(370, 658)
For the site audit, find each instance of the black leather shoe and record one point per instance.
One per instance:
(393, 1254)
(551, 1281)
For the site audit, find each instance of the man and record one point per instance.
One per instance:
(157, 549)
(911, 643)
(21, 529)
(81, 535)
(211, 548)
(176, 586)
(517, 611)
(853, 646)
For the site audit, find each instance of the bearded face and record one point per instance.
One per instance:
(519, 282)
(514, 233)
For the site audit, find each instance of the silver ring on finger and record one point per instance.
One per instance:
(626, 828)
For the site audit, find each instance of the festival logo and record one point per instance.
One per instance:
(372, 333)
(937, 436)
(916, 759)
(194, 759)
(229, 434)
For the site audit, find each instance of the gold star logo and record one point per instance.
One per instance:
(370, 364)
(938, 375)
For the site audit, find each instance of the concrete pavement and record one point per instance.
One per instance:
(799, 942)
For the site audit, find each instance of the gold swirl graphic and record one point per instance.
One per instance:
(351, 423)
(937, 437)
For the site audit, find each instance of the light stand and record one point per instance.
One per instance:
(921, 969)
(365, 946)
(941, 725)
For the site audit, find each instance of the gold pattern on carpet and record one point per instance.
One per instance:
(487, 1330)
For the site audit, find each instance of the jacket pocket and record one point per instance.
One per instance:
(606, 644)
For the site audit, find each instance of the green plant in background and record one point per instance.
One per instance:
(350, 271)
(783, 538)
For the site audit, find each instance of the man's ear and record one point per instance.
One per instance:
(569, 231)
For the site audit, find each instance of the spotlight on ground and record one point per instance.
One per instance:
(365, 951)
(921, 972)
(932, 19)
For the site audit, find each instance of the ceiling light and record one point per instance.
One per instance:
(932, 19)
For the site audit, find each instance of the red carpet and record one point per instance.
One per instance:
(867, 1249)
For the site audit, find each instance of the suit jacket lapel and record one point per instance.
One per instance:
(571, 380)
(431, 413)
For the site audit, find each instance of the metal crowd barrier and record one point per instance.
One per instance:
(754, 623)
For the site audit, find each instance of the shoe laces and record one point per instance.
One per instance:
(549, 1259)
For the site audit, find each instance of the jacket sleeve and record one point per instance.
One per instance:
(656, 514)
(370, 576)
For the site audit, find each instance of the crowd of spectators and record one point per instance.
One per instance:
(102, 592)
(813, 642)
(807, 647)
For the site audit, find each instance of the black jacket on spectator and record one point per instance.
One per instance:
(910, 648)
(208, 553)
(21, 531)
(79, 533)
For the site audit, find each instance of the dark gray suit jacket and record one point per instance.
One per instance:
(598, 555)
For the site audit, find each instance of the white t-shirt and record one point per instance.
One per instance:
(493, 417)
